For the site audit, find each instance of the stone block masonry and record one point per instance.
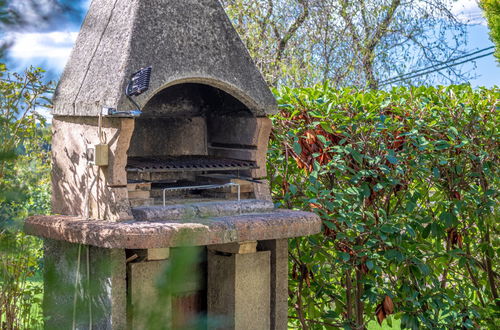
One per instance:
(238, 290)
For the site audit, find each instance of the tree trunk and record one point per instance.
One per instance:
(348, 293)
(489, 268)
(359, 302)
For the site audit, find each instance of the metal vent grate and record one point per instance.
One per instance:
(139, 82)
(186, 163)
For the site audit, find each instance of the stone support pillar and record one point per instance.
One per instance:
(146, 303)
(279, 281)
(238, 287)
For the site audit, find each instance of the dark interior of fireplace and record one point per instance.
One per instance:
(179, 153)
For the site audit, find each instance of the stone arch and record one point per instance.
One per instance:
(184, 86)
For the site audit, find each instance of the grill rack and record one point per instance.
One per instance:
(202, 187)
(187, 163)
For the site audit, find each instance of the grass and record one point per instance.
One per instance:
(373, 325)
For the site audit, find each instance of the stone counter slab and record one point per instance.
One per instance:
(150, 234)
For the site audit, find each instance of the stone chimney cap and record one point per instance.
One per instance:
(188, 41)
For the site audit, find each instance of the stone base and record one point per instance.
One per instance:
(239, 286)
(125, 271)
(68, 290)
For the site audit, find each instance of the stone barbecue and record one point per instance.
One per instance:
(140, 175)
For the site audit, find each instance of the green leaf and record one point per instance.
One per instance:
(389, 229)
(424, 269)
(352, 191)
(392, 159)
(329, 224)
(378, 187)
(366, 190)
(410, 206)
(297, 148)
(389, 321)
(453, 131)
(441, 145)
(322, 138)
(394, 255)
(357, 156)
(345, 256)
(327, 128)
(448, 219)
(410, 231)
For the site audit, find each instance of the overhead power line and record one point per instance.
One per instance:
(438, 67)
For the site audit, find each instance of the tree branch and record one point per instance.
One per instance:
(283, 41)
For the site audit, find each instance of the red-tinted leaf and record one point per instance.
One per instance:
(379, 312)
(388, 305)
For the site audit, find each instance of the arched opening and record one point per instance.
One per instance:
(194, 99)
(177, 120)
(192, 134)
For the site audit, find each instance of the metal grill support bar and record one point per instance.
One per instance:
(187, 163)
(203, 187)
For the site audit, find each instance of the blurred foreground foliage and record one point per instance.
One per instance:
(406, 182)
(24, 191)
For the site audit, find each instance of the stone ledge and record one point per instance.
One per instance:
(162, 234)
(201, 210)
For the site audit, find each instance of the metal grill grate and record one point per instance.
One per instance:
(186, 163)
(202, 187)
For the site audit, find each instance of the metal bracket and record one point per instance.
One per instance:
(112, 112)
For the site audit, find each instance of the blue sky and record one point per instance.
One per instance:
(49, 45)
(487, 68)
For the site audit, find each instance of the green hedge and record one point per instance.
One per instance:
(407, 185)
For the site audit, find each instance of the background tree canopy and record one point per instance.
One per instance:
(349, 43)
(492, 12)
(38, 15)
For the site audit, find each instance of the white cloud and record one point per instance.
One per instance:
(468, 12)
(50, 48)
(52, 45)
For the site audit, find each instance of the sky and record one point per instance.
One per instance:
(486, 68)
(49, 44)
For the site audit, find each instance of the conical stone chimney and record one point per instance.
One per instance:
(188, 41)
